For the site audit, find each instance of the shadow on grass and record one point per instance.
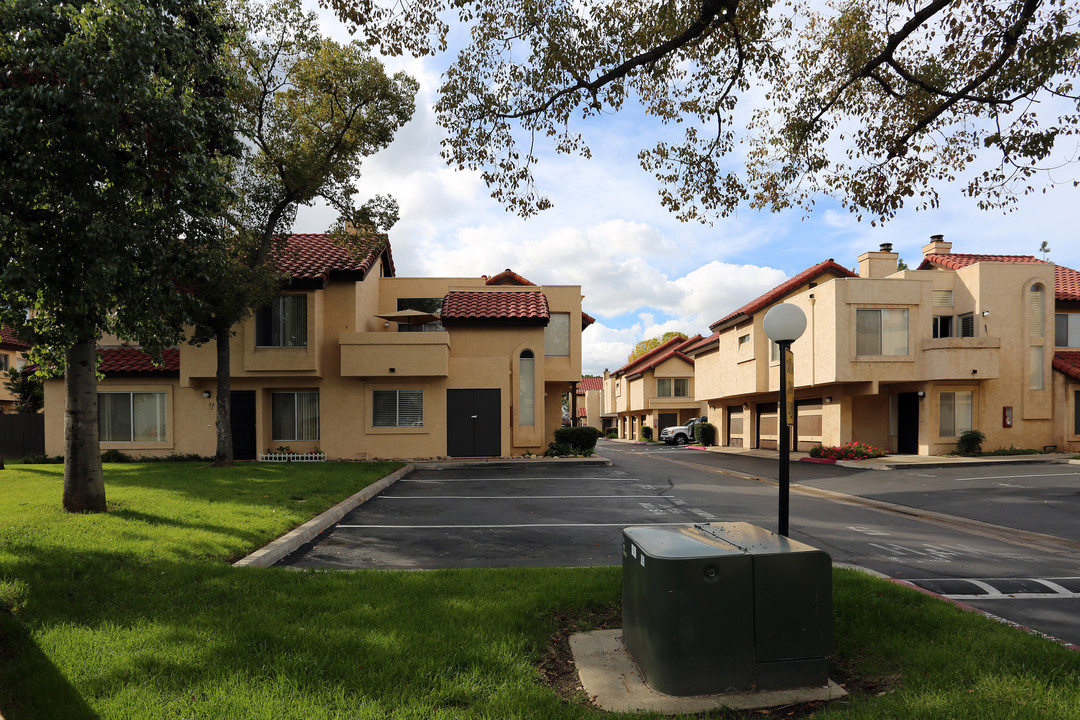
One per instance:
(31, 688)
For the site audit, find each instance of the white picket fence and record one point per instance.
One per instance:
(292, 457)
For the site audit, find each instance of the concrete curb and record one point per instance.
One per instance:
(273, 551)
(502, 463)
(1023, 460)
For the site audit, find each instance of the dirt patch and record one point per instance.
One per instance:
(559, 673)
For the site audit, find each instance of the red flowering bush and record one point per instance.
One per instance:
(851, 451)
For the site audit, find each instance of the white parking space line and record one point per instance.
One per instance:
(1020, 477)
(510, 497)
(1055, 591)
(507, 479)
(513, 525)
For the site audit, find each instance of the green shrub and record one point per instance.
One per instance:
(646, 433)
(115, 456)
(580, 438)
(970, 442)
(612, 433)
(705, 433)
(43, 460)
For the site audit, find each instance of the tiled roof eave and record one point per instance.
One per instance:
(1068, 363)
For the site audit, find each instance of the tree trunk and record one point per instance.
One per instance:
(224, 455)
(84, 485)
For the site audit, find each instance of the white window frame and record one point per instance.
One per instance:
(303, 430)
(161, 433)
(960, 415)
(400, 419)
(885, 316)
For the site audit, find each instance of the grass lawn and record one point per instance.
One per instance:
(136, 614)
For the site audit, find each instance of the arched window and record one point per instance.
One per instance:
(1035, 310)
(527, 388)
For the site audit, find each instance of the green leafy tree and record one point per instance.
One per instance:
(646, 345)
(112, 123)
(311, 110)
(28, 389)
(877, 103)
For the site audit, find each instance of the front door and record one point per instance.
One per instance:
(242, 422)
(907, 423)
(473, 422)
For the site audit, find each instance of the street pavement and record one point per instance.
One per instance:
(1002, 537)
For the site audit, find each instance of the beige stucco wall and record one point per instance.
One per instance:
(350, 353)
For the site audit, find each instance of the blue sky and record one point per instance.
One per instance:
(641, 271)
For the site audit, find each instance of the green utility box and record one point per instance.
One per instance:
(725, 607)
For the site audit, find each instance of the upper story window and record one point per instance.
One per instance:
(1035, 310)
(881, 331)
(943, 298)
(131, 416)
(672, 387)
(744, 341)
(282, 322)
(5, 362)
(427, 305)
(1067, 329)
(557, 335)
(943, 326)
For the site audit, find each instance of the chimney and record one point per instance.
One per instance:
(937, 246)
(878, 264)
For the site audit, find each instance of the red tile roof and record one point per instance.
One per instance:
(8, 340)
(703, 344)
(1066, 283)
(955, 261)
(589, 384)
(308, 257)
(657, 361)
(781, 290)
(586, 319)
(1068, 362)
(508, 277)
(581, 412)
(465, 307)
(658, 350)
(117, 361)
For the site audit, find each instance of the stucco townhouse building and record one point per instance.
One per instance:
(906, 360)
(656, 390)
(357, 363)
(11, 356)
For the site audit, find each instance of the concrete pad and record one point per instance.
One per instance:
(612, 681)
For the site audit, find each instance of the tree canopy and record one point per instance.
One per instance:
(310, 111)
(113, 125)
(878, 103)
(646, 345)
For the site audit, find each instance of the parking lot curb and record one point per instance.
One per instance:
(510, 463)
(273, 551)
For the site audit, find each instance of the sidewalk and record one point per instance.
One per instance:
(894, 462)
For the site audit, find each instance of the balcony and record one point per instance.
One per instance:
(961, 358)
(388, 354)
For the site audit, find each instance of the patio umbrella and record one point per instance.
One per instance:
(410, 317)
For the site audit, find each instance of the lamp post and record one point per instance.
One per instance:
(784, 324)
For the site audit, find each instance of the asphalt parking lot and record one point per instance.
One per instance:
(497, 517)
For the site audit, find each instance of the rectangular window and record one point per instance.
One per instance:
(282, 322)
(397, 408)
(1067, 329)
(881, 332)
(954, 413)
(557, 335)
(744, 341)
(294, 415)
(774, 351)
(672, 387)
(943, 326)
(5, 362)
(967, 324)
(1036, 377)
(131, 417)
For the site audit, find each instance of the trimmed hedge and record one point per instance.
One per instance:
(705, 433)
(646, 433)
(581, 438)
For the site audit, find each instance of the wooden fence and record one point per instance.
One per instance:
(22, 435)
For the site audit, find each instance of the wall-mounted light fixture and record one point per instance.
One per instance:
(828, 399)
(386, 323)
(206, 393)
(922, 394)
(986, 313)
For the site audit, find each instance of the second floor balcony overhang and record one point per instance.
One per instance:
(385, 354)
